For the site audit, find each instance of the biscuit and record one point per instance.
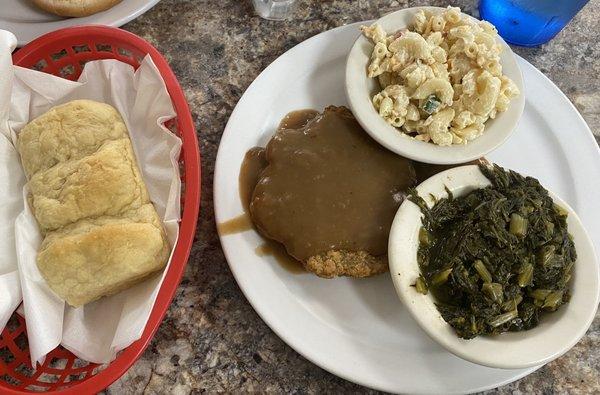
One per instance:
(97, 257)
(102, 234)
(67, 132)
(104, 183)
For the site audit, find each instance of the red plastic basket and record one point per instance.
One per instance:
(63, 53)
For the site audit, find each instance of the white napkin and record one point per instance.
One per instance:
(97, 331)
(11, 184)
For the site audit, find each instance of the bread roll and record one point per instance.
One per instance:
(102, 234)
(75, 8)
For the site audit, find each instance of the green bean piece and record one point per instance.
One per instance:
(512, 304)
(528, 210)
(538, 303)
(503, 318)
(525, 276)
(553, 300)
(485, 274)
(421, 285)
(473, 324)
(518, 225)
(494, 291)
(441, 277)
(537, 202)
(545, 254)
(540, 294)
(561, 211)
(565, 279)
(424, 237)
(569, 267)
(509, 305)
(518, 299)
(549, 228)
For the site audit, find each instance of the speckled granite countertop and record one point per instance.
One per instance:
(211, 339)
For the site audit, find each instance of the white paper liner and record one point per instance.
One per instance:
(12, 180)
(97, 331)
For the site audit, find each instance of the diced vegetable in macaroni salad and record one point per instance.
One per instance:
(442, 79)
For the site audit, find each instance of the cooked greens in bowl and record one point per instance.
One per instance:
(497, 258)
(556, 331)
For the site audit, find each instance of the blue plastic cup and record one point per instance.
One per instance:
(529, 22)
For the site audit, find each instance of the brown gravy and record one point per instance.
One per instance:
(277, 251)
(241, 223)
(253, 164)
(297, 119)
(255, 161)
(328, 186)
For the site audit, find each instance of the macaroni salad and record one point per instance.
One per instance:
(442, 79)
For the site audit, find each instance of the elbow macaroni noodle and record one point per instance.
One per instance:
(442, 79)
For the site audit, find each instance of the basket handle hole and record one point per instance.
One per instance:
(25, 370)
(67, 71)
(81, 48)
(40, 65)
(138, 60)
(37, 388)
(82, 63)
(58, 363)
(104, 48)
(125, 52)
(21, 341)
(74, 377)
(10, 380)
(80, 363)
(6, 356)
(58, 55)
(48, 378)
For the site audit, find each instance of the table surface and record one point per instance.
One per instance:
(211, 338)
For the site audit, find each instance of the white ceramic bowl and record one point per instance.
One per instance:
(360, 89)
(556, 333)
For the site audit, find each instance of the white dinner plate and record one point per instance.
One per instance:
(357, 329)
(28, 22)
